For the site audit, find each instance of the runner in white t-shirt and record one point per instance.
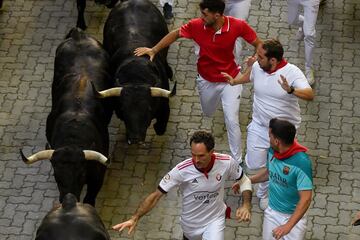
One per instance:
(201, 181)
(278, 85)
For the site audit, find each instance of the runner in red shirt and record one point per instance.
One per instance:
(215, 36)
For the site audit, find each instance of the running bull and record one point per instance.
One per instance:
(141, 85)
(72, 221)
(76, 127)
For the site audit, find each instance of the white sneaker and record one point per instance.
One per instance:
(263, 203)
(300, 34)
(309, 73)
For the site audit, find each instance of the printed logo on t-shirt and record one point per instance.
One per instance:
(218, 177)
(194, 181)
(286, 170)
(205, 197)
(166, 178)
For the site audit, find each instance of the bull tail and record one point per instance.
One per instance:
(76, 34)
(69, 201)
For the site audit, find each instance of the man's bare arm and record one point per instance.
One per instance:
(144, 207)
(300, 210)
(163, 43)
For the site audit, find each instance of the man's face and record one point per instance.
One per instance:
(274, 143)
(263, 61)
(209, 18)
(201, 156)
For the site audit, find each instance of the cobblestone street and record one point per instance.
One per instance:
(30, 31)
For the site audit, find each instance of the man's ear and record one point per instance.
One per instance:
(273, 61)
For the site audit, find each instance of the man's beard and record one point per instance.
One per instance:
(266, 68)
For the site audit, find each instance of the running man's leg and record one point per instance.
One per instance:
(293, 12)
(311, 9)
(257, 145)
(209, 93)
(215, 230)
(230, 98)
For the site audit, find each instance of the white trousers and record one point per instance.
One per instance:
(274, 219)
(257, 145)
(162, 2)
(213, 231)
(307, 21)
(211, 94)
(238, 9)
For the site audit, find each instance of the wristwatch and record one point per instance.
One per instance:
(292, 89)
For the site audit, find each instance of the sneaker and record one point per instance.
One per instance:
(263, 203)
(300, 34)
(167, 10)
(309, 73)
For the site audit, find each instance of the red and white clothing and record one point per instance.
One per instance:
(270, 101)
(215, 52)
(216, 48)
(202, 192)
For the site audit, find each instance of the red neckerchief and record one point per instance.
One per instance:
(295, 148)
(281, 64)
(208, 168)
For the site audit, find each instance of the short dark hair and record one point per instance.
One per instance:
(203, 137)
(214, 6)
(274, 49)
(283, 130)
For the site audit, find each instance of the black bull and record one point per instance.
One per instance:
(72, 221)
(76, 127)
(142, 86)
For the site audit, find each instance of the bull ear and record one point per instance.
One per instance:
(42, 155)
(94, 155)
(173, 91)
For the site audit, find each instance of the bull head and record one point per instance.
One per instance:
(47, 154)
(116, 92)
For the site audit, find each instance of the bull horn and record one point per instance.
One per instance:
(93, 155)
(112, 92)
(42, 155)
(159, 92)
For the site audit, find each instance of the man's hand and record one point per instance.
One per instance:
(243, 213)
(229, 78)
(356, 220)
(250, 60)
(284, 83)
(144, 50)
(131, 224)
(281, 231)
(236, 187)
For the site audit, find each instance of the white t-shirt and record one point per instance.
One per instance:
(203, 197)
(271, 100)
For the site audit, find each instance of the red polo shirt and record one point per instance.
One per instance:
(217, 48)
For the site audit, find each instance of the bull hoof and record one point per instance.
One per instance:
(159, 128)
